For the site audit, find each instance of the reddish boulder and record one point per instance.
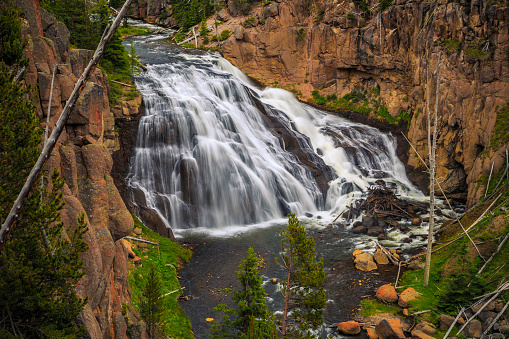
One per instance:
(387, 293)
(372, 333)
(349, 327)
(389, 329)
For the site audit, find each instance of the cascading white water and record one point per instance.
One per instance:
(204, 156)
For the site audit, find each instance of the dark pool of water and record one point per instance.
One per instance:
(215, 261)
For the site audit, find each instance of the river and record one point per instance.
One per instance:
(209, 165)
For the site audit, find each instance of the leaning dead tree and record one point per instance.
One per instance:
(50, 144)
(432, 143)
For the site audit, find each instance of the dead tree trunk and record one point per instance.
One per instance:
(432, 165)
(48, 147)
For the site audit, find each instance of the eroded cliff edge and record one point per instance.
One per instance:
(337, 48)
(83, 155)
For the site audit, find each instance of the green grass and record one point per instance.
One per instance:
(372, 306)
(131, 30)
(177, 325)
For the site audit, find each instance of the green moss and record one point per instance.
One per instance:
(499, 135)
(164, 259)
(450, 45)
(371, 307)
(350, 16)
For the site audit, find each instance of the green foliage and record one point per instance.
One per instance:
(243, 6)
(84, 27)
(12, 43)
(224, 35)
(204, 32)
(266, 3)
(350, 16)
(372, 306)
(383, 113)
(450, 45)
(164, 260)
(457, 292)
(364, 6)
(116, 3)
(249, 22)
(179, 37)
(318, 98)
(126, 31)
(152, 306)
(384, 4)
(304, 296)
(251, 316)
(301, 33)
(39, 278)
(499, 135)
(134, 62)
(163, 15)
(188, 13)
(19, 137)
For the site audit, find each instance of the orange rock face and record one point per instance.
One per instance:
(349, 327)
(299, 48)
(372, 333)
(387, 293)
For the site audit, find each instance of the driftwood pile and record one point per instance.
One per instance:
(382, 203)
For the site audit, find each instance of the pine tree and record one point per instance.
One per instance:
(38, 279)
(304, 296)
(152, 305)
(38, 283)
(251, 317)
(11, 38)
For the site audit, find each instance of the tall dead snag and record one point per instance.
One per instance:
(432, 164)
(50, 144)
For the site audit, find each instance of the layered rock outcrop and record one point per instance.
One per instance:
(154, 11)
(83, 157)
(338, 47)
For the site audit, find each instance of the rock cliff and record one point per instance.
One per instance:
(83, 157)
(338, 47)
(153, 11)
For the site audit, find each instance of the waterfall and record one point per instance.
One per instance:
(205, 157)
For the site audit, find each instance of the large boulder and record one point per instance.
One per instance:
(426, 328)
(421, 335)
(473, 329)
(349, 327)
(387, 293)
(381, 258)
(406, 296)
(239, 32)
(375, 231)
(364, 262)
(390, 329)
(360, 229)
(446, 321)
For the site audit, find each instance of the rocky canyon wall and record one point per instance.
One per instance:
(83, 155)
(336, 47)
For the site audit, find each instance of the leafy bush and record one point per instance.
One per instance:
(224, 35)
(384, 4)
(301, 34)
